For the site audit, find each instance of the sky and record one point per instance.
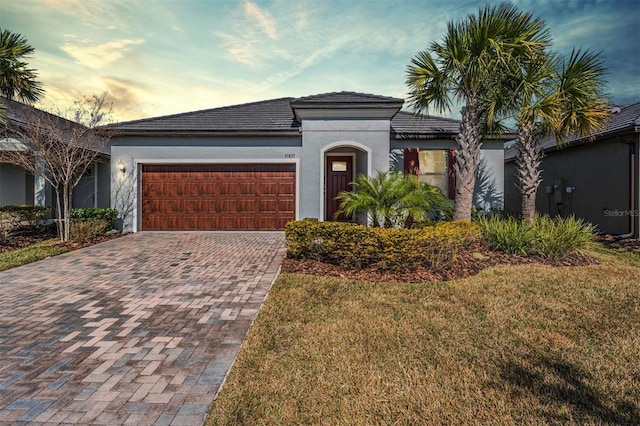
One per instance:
(158, 57)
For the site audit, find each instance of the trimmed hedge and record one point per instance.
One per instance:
(87, 224)
(110, 215)
(21, 219)
(356, 246)
(29, 214)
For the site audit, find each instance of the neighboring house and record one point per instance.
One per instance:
(18, 187)
(259, 165)
(593, 178)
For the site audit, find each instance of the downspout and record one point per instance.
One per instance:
(632, 191)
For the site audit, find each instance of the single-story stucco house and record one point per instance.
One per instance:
(594, 178)
(258, 165)
(18, 187)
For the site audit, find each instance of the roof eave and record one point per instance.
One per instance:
(422, 135)
(437, 135)
(585, 140)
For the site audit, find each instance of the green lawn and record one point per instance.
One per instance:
(513, 345)
(19, 257)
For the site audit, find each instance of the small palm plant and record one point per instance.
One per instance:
(391, 199)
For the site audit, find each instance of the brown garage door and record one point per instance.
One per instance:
(217, 197)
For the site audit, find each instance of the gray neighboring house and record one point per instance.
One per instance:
(593, 178)
(258, 165)
(18, 187)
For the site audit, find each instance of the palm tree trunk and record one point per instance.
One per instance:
(469, 142)
(528, 163)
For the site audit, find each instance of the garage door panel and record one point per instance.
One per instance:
(217, 196)
(191, 205)
(268, 205)
(226, 206)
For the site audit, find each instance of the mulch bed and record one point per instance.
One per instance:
(627, 245)
(471, 261)
(19, 241)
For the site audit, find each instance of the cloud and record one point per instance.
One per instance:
(241, 49)
(125, 95)
(94, 12)
(266, 22)
(303, 63)
(100, 55)
(176, 28)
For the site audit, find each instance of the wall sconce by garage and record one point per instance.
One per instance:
(122, 167)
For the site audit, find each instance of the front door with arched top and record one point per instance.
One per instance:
(338, 178)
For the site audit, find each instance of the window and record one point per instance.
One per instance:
(433, 168)
(338, 166)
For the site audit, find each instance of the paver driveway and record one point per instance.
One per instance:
(137, 330)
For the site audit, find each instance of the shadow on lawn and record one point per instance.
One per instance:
(564, 394)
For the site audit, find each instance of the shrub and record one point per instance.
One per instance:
(109, 215)
(85, 231)
(356, 246)
(550, 238)
(507, 234)
(16, 219)
(87, 224)
(557, 237)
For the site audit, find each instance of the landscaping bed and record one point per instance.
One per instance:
(21, 241)
(476, 257)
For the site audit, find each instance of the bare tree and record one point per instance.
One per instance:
(123, 193)
(58, 147)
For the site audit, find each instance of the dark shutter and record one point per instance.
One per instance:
(411, 161)
(451, 174)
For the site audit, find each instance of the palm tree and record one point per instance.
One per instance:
(16, 80)
(555, 96)
(467, 66)
(391, 199)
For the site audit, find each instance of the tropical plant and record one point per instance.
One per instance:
(16, 79)
(554, 96)
(550, 238)
(391, 199)
(468, 66)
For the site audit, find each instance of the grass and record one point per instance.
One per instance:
(527, 344)
(33, 253)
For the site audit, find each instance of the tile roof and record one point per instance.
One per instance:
(270, 115)
(19, 114)
(623, 118)
(276, 115)
(346, 98)
(405, 124)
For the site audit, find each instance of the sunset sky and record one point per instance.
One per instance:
(158, 57)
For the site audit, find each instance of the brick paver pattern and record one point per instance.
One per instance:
(138, 330)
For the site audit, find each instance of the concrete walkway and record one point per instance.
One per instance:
(138, 330)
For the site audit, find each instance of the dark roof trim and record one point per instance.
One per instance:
(234, 133)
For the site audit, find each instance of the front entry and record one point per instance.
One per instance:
(338, 178)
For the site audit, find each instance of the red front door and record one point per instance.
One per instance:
(338, 175)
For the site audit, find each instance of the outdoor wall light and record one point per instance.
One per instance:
(121, 166)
